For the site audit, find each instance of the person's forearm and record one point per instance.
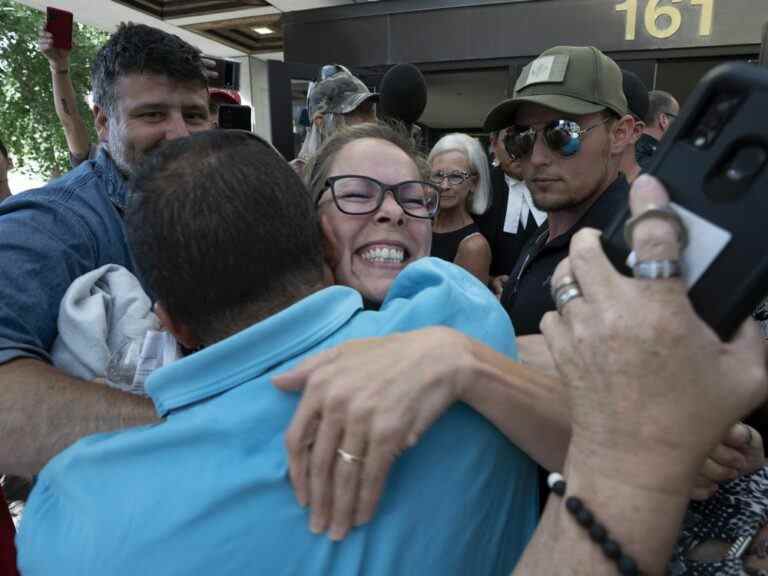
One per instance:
(533, 352)
(65, 102)
(642, 508)
(44, 411)
(526, 405)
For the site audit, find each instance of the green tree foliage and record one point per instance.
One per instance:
(28, 123)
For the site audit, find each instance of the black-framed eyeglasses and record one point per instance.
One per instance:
(563, 136)
(673, 116)
(358, 195)
(453, 178)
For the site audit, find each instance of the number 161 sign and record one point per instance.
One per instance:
(663, 18)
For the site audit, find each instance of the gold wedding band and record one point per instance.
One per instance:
(347, 457)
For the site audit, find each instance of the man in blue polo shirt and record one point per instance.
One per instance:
(207, 490)
(149, 87)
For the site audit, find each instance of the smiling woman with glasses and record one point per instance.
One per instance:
(375, 205)
(459, 167)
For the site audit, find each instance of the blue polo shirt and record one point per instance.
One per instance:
(48, 238)
(207, 490)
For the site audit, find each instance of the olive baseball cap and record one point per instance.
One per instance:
(339, 94)
(570, 79)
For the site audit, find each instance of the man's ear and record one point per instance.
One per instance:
(622, 133)
(101, 121)
(663, 122)
(638, 131)
(180, 331)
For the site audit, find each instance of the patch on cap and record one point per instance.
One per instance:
(547, 69)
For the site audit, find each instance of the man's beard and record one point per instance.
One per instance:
(548, 202)
(124, 152)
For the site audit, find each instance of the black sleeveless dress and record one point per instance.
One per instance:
(446, 245)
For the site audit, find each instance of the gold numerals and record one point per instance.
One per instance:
(662, 18)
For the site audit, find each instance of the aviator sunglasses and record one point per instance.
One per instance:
(562, 136)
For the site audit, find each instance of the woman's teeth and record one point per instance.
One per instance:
(388, 255)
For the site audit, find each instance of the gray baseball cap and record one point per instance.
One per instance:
(340, 94)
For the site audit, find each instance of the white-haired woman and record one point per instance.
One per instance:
(459, 167)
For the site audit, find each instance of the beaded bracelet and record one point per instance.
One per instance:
(597, 532)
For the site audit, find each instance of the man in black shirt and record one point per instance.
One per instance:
(511, 219)
(568, 125)
(662, 111)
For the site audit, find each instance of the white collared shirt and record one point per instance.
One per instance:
(520, 206)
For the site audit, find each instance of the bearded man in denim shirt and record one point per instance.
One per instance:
(149, 87)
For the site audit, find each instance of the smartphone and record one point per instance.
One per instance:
(228, 74)
(714, 164)
(235, 117)
(59, 24)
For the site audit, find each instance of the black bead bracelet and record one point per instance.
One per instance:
(597, 532)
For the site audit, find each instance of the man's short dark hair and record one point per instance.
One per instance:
(659, 102)
(223, 232)
(3, 150)
(141, 49)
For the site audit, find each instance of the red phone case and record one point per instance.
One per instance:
(59, 23)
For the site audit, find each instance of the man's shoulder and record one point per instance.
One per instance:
(79, 200)
(78, 188)
(433, 292)
(444, 280)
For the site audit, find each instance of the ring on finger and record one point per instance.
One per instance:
(565, 294)
(655, 269)
(348, 458)
(565, 282)
(665, 212)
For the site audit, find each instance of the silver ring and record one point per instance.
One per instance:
(665, 212)
(655, 269)
(347, 457)
(564, 283)
(565, 294)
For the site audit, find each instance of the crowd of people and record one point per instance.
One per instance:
(214, 360)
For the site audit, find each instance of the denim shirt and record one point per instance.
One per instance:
(49, 237)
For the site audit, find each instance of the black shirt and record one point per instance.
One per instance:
(645, 148)
(445, 245)
(505, 247)
(526, 296)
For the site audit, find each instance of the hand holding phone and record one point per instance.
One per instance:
(714, 164)
(234, 117)
(59, 24)
(222, 73)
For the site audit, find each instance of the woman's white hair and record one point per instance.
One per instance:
(480, 197)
